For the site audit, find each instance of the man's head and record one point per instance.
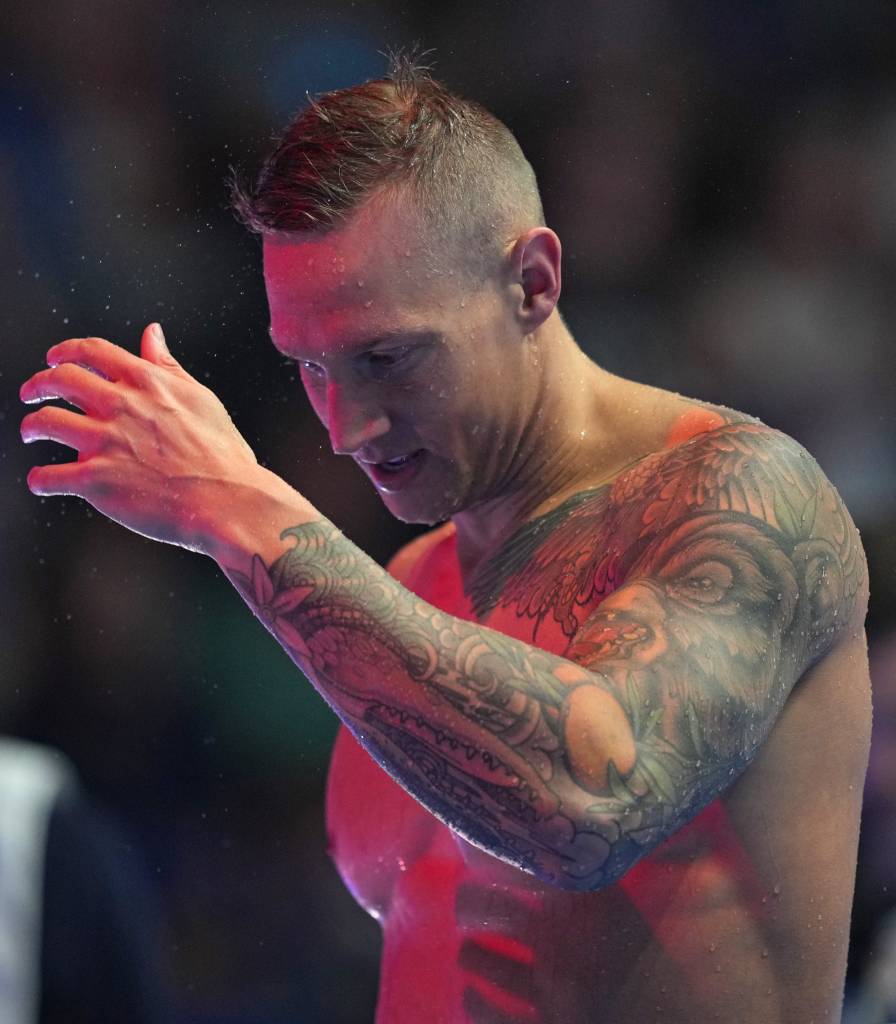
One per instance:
(407, 266)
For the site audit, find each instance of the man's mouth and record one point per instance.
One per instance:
(393, 474)
(394, 464)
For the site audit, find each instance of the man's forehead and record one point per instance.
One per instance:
(334, 270)
(314, 313)
(348, 287)
(377, 230)
(320, 257)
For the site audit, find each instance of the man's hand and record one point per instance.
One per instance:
(154, 445)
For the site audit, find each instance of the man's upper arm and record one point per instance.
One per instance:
(744, 576)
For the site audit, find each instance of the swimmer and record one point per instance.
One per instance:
(605, 724)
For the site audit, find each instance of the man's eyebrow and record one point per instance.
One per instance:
(404, 334)
(381, 337)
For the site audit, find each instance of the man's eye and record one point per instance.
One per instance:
(383, 362)
(312, 369)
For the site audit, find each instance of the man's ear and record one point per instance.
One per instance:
(535, 264)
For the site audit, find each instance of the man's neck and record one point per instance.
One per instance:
(568, 439)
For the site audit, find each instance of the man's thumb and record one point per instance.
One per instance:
(154, 348)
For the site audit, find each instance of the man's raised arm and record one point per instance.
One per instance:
(739, 568)
(574, 767)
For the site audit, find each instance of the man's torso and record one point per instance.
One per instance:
(743, 914)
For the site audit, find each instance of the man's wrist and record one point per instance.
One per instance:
(244, 518)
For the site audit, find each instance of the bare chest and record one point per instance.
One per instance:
(469, 939)
(701, 919)
(500, 937)
(381, 839)
(706, 920)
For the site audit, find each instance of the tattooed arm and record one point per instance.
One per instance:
(726, 565)
(735, 576)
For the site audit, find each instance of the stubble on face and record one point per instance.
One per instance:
(372, 272)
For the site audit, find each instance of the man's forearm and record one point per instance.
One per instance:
(570, 767)
(464, 717)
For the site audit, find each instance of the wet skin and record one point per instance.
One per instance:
(740, 915)
(606, 729)
(396, 357)
(610, 767)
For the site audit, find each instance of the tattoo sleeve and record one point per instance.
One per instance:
(694, 591)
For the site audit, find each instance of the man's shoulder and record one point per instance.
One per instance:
(692, 417)
(710, 447)
(729, 489)
(743, 478)
(408, 558)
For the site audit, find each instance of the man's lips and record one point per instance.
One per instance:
(393, 475)
(393, 461)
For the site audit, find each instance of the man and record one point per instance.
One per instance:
(606, 726)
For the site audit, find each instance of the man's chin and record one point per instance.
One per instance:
(419, 512)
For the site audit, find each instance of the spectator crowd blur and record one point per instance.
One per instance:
(723, 179)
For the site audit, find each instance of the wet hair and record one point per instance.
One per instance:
(402, 136)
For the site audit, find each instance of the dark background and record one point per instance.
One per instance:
(723, 178)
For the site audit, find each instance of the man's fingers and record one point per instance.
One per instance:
(54, 424)
(74, 383)
(65, 478)
(112, 361)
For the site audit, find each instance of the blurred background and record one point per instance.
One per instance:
(723, 178)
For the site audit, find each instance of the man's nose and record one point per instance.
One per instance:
(352, 420)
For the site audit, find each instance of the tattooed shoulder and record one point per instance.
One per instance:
(723, 484)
